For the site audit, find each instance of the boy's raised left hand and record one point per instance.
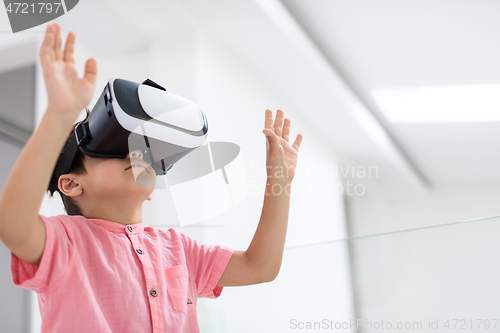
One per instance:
(281, 159)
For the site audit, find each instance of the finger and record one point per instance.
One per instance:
(298, 141)
(286, 130)
(273, 139)
(69, 48)
(90, 71)
(46, 49)
(269, 120)
(57, 43)
(267, 146)
(278, 123)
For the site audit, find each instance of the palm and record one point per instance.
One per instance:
(66, 91)
(281, 155)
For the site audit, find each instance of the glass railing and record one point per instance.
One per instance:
(444, 278)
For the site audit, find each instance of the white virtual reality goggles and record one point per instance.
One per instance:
(130, 116)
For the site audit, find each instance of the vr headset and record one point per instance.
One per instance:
(130, 116)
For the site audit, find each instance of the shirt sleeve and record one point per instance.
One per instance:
(207, 263)
(56, 259)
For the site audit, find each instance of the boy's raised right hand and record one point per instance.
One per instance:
(21, 228)
(68, 94)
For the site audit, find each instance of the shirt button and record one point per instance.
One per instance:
(139, 251)
(153, 292)
(130, 228)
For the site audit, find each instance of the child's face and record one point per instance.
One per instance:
(128, 180)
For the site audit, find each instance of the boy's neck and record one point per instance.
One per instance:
(123, 215)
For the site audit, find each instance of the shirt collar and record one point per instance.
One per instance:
(119, 227)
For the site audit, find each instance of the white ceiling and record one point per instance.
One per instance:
(367, 44)
(411, 43)
(108, 26)
(394, 43)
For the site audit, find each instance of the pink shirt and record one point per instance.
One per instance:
(103, 276)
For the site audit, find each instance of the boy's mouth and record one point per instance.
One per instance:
(138, 164)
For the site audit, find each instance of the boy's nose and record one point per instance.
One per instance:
(135, 154)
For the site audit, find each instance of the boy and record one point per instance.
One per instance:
(100, 269)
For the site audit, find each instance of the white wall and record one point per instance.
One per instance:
(385, 212)
(14, 300)
(431, 273)
(16, 108)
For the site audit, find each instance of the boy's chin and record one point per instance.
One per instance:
(146, 184)
(145, 180)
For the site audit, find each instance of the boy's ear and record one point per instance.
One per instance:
(69, 186)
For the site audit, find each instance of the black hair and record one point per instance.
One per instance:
(77, 167)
